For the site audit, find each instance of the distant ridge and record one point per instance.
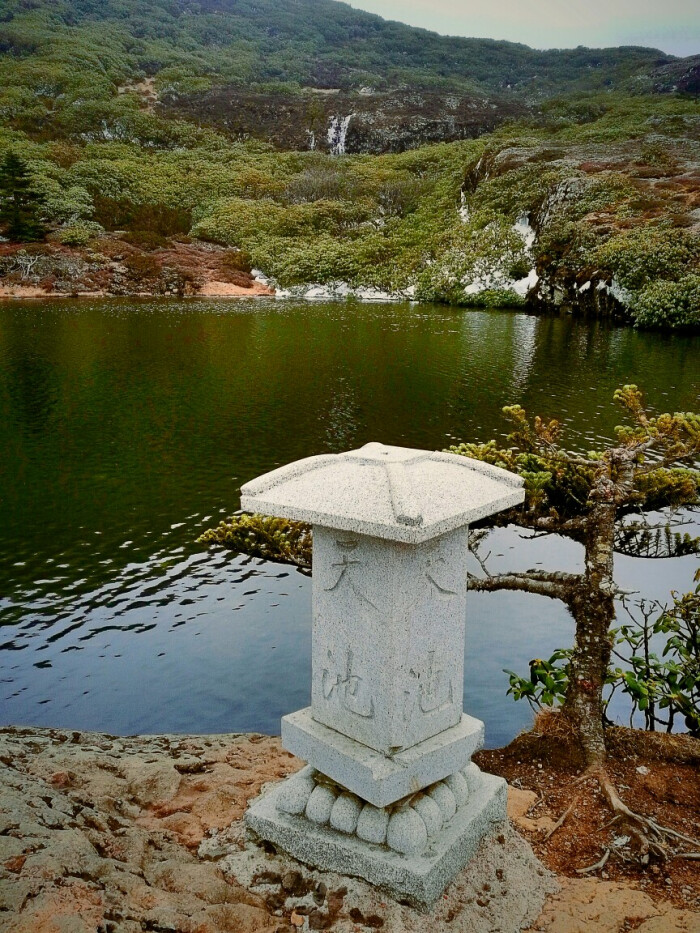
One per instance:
(313, 43)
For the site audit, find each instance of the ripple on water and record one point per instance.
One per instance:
(127, 428)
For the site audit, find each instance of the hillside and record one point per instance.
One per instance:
(157, 143)
(282, 70)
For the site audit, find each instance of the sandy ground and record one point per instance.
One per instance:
(11, 292)
(227, 290)
(208, 290)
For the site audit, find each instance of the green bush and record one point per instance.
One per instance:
(669, 305)
(157, 219)
(145, 239)
(664, 688)
(237, 260)
(79, 233)
(638, 257)
(493, 298)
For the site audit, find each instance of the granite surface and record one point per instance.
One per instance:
(389, 492)
(375, 777)
(388, 636)
(408, 864)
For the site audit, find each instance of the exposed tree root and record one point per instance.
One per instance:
(561, 820)
(597, 866)
(651, 838)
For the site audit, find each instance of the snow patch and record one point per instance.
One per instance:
(333, 291)
(523, 286)
(486, 280)
(623, 295)
(619, 292)
(463, 208)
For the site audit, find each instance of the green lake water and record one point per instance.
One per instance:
(127, 428)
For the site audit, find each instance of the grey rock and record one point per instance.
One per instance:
(320, 804)
(406, 832)
(345, 813)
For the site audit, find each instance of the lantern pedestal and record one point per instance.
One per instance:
(418, 877)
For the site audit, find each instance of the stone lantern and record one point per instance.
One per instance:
(389, 793)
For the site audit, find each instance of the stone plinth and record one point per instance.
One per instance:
(412, 853)
(381, 779)
(390, 529)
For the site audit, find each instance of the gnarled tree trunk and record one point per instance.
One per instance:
(592, 605)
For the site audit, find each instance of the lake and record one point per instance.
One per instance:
(127, 428)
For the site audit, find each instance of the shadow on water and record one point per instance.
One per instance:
(126, 429)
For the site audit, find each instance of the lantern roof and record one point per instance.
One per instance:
(395, 493)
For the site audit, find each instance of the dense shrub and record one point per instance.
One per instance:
(493, 298)
(317, 183)
(669, 305)
(142, 268)
(640, 256)
(148, 218)
(237, 260)
(79, 233)
(145, 239)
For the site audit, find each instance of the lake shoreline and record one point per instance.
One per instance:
(140, 830)
(214, 290)
(109, 266)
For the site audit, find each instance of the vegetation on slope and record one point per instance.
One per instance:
(61, 44)
(597, 193)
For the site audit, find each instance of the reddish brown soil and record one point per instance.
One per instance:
(656, 775)
(112, 266)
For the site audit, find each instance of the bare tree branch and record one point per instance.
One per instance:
(553, 584)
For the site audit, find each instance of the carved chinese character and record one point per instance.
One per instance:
(431, 572)
(431, 690)
(348, 574)
(347, 687)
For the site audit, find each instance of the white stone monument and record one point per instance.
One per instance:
(389, 793)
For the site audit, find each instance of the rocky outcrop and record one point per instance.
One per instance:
(343, 121)
(122, 835)
(682, 75)
(109, 265)
(125, 835)
(99, 833)
(579, 197)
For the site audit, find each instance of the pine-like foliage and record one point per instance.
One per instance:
(20, 204)
(263, 536)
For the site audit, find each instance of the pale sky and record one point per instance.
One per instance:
(670, 25)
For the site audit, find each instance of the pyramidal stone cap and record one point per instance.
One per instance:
(395, 493)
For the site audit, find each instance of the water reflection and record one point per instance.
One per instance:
(126, 429)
